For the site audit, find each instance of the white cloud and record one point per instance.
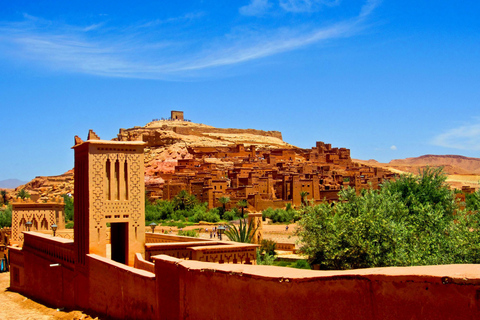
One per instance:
(306, 5)
(393, 147)
(465, 137)
(255, 8)
(136, 52)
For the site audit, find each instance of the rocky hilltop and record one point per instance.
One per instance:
(167, 141)
(170, 140)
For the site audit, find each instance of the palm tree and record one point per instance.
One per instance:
(303, 195)
(223, 201)
(23, 194)
(183, 200)
(244, 233)
(242, 204)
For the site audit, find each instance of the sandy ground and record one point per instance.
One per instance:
(14, 306)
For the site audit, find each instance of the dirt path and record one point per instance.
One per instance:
(14, 306)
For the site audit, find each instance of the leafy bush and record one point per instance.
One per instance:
(265, 259)
(159, 210)
(69, 225)
(232, 214)
(188, 233)
(301, 264)
(171, 223)
(298, 264)
(6, 217)
(407, 222)
(268, 246)
(281, 215)
(472, 201)
(68, 200)
(207, 216)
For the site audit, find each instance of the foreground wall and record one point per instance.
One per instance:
(116, 290)
(196, 290)
(186, 289)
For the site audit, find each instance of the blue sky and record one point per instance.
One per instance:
(387, 79)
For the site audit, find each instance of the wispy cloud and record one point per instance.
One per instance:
(306, 5)
(465, 137)
(143, 51)
(255, 8)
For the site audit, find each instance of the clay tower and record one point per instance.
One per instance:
(109, 189)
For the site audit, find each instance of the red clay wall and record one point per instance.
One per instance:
(198, 290)
(195, 290)
(118, 291)
(41, 281)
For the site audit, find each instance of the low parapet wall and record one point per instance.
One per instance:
(181, 250)
(165, 238)
(208, 251)
(198, 290)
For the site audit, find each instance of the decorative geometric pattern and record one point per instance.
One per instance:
(42, 216)
(101, 206)
(134, 183)
(99, 185)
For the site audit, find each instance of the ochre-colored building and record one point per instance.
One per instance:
(269, 178)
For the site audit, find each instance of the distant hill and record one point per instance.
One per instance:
(461, 171)
(11, 183)
(453, 164)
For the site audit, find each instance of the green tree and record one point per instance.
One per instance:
(303, 195)
(23, 194)
(244, 233)
(472, 201)
(407, 222)
(242, 204)
(429, 187)
(223, 201)
(4, 196)
(184, 201)
(68, 200)
(6, 217)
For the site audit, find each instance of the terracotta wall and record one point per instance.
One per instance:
(196, 290)
(118, 291)
(187, 289)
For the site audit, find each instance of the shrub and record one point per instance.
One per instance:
(207, 216)
(268, 246)
(265, 259)
(232, 214)
(407, 222)
(6, 217)
(68, 200)
(188, 233)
